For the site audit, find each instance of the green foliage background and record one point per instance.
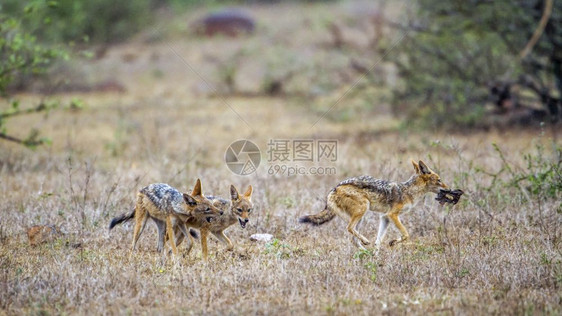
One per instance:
(453, 52)
(68, 20)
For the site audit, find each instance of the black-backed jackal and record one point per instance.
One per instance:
(168, 207)
(238, 209)
(353, 197)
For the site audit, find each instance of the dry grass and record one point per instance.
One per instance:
(496, 252)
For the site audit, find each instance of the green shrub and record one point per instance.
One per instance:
(78, 21)
(543, 175)
(21, 57)
(451, 55)
(541, 178)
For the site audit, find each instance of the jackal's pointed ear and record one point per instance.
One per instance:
(416, 167)
(197, 189)
(248, 193)
(424, 168)
(189, 199)
(234, 193)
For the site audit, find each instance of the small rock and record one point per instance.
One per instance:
(261, 237)
(229, 22)
(39, 234)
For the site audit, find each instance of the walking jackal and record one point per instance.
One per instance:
(168, 207)
(238, 209)
(351, 199)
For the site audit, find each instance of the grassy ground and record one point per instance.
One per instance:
(496, 252)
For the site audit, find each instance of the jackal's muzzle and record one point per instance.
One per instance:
(243, 222)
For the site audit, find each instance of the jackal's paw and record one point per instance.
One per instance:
(401, 242)
(365, 242)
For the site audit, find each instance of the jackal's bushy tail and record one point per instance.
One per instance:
(326, 215)
(121, 218)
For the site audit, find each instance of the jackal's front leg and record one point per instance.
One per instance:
(383, 226)
(405, 236)
(204, 250)
(161, 226)
(189, 246)
(170, 231)
(181, 232)
(222, 237)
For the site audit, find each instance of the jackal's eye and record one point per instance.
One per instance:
(208, 209)
(249, 210)
(239, 210)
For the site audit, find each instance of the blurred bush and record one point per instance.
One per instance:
(458, 56)
(21, 58)
(99, 21)
(78, 21)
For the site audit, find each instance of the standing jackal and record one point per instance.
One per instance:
(238, 209)
(352, 198)
(168, 207)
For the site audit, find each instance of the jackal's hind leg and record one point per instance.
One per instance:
(140, 221)
(356, 240)
(354, 220)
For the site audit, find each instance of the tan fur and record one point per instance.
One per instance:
(167, 205)
(352, 198)
(238, 209)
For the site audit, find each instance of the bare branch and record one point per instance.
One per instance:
(27, 142)
(538, 32)
(39, 108)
